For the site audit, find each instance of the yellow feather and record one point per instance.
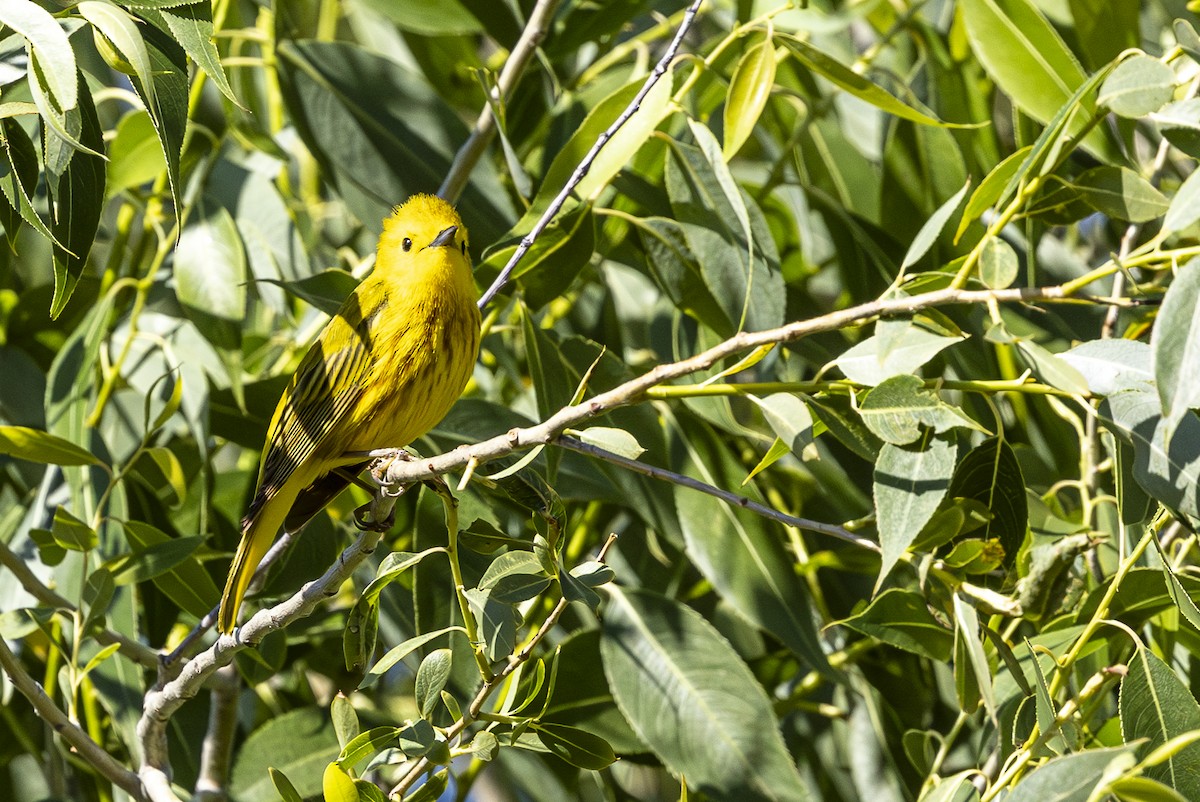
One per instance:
(382, 373)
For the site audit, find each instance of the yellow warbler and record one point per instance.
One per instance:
(383, 372)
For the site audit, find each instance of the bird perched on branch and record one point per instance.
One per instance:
(383, 372)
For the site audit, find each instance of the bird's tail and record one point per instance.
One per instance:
(258, 533)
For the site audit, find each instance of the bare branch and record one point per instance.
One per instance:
(92, 752)
(206, 623)
(217, 749)
(168, 696)
(732, 498)
(527, 241)
(406, 472)
(485, 127)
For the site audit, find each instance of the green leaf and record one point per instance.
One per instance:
(618, 441)
(1138, 86)
(1029, 61)
(186, 583)
(428, 17)
(38, 446)
(897, 348)
(76, 202)
(497, 623)
(693, 701)
(1176, 345)
(337, 785)
(485, 746)
(97, 596)
(134, 156)
(72, 533)
(1141, 789)
(325, 291)
(432, 675)
(300, 743)
(1072, 778)
(969, 645)
(575, 746)
(902, 618)
(998, 264)
(191, 26)
(514, 577)
(154, 560)
(841, 75)
(19, 171)
(729, 239)
(948, 789)
(1168, 468)
(899, 407)
(47, 39)
(1156, 705)
(345, 720)
(909, 484)
(991, 188)
(1109, 366)
(749, 89)
(743, 556)
(557, 256)
(117, 26)
(417, 738)
(1185, 206)
(365, 744)
(287, 791)
(400, 651)
(1121, 193)
(210, 275)
(991, 475)
(1179, 123)
(384, 138)
(932, 228)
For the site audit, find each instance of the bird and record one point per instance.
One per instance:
(384, 371)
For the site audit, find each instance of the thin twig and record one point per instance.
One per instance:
(138, 652)
(471, 714)
(663, 474)
(407, 472)
(485, 127)
(585, 165)
(169, 695)
(91, 751)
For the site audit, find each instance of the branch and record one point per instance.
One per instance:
(406, 472)
(471, 714)
(138, 652)
(485, 127)
(168, 696)
(732, 498)
(206, 623)
(527, 241)
(217, 748)
(113, 771)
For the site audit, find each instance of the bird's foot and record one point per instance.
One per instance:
(364, 518)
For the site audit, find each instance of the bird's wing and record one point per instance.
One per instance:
(326, 386)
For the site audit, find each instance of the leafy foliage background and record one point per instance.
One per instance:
(959, 561)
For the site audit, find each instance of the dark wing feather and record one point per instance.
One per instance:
(326, 386)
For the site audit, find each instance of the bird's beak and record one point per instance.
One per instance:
(445, 237)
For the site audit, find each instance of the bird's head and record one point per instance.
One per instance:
(421, 223)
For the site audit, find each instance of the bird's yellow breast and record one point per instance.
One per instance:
(425, 345)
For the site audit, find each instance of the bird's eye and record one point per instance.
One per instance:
(407, 244)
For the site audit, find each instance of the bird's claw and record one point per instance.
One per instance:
(363, 519)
